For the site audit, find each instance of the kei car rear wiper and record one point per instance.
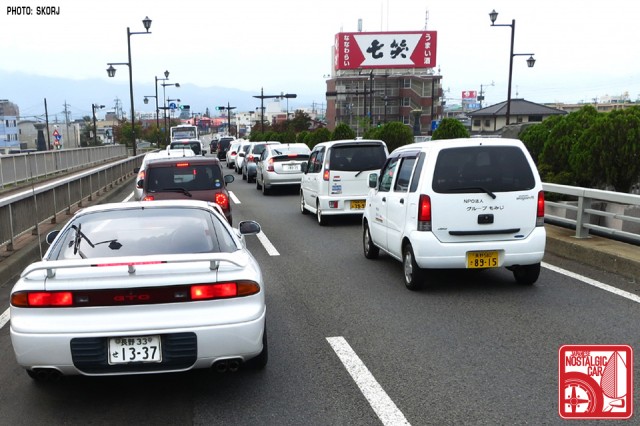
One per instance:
(466, 188)
(178, 189)
(78, 239)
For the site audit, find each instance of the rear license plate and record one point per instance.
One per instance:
(358, 204)
(292, 167)
(482, 259)
(123, 350)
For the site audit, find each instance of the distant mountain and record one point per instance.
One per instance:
(30, 91)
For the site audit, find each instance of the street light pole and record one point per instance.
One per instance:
(262, 97)
(530, 62)
(112, 72)
(164, 100)
(228, 108)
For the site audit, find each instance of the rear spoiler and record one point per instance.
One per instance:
(130, 262)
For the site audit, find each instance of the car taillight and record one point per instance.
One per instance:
(42, 299)
(140, 177)
(325, 175)
(134, 296)
(222, 200)
(424, 213)
(270, 165)
(540, 211)
(234, 153)
(224, 290)
(250, 158)
(182, 164)
(148, 198)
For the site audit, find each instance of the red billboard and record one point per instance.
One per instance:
(403, 49)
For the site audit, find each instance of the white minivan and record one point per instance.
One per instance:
(334, 180)
(456, 204)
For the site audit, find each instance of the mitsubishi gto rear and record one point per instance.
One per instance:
(458, 204)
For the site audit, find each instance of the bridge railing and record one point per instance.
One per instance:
(16, 169)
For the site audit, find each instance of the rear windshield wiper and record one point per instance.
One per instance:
(467, 188)
(78, 239)
(178, 189)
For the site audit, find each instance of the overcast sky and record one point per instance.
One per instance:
(584, 49)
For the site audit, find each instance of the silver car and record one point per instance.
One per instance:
(281, 165)
(140, 288)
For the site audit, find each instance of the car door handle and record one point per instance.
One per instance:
(401, 200)
(384, 199)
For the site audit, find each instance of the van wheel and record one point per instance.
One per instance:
(244, 176)
(526, 274)
(303, 210)
(322, 220)
(370, 250)
(413, 274)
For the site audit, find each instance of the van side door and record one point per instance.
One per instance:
(312, 179)
(398, 202)
(378, 222)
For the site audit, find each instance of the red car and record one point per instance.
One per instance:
(190, 178)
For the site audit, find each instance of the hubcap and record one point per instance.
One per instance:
(408, 266)
(366, 240)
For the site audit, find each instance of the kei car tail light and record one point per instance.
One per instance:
(540, 212)
(250, 158)
(148, 198)
(140, 177)
(222, 200)
(270, 165)
(325, 175)
(424, 213)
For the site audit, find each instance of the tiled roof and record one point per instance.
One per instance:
(518, 107)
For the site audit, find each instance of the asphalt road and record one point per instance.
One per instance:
(471, 348)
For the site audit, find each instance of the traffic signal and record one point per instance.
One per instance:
(185, 107)
(219, 108)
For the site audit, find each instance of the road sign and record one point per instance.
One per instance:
(172, 106)
(55, 133)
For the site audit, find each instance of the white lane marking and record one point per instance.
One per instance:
(126, 200)
(383, 406)
(598, 284)
(4, 318)
(234, 198)
(267, 244)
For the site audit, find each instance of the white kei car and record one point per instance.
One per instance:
(141, 288)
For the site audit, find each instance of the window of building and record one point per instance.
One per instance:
(476, 123)
(487, 123)
(406, 82)
(535, 118)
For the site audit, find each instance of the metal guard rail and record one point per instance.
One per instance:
(611, 220)
(26, 210)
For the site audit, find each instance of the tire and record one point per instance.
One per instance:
(370, 249)
(258, 186)
(260, 362)
(303, 210)
(413, 274)
(265, 191)
(244, 176)
(322, 220)
(526, 274)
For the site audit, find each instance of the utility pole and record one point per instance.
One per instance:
(228, 108)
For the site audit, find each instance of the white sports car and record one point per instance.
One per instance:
(141, 288)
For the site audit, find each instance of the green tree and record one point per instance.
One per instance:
(319, 135)
(343, 131)
(300, 122)
(302, 136)
(450, 128)
(395, 135)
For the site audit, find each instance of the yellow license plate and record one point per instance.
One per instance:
(482, 259)
(358, 204)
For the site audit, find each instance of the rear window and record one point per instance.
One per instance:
(195, 146)
(198, 177)
(356, 158)
(287, 149)
(482, 168)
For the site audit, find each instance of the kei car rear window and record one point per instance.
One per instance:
(357, 157)
(192, 177)
(482, 168)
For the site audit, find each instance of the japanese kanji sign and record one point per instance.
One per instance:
(407, 49)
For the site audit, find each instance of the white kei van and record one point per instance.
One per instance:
(334, 180)
(455, 204)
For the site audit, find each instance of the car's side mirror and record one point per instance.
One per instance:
(136, 169)
(249, 227)
(228, 178)
(51, 236)
(373, 180)
(140, 183)
(241, 154)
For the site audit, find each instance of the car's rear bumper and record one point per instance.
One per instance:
(240, 340)
(431, 253)
(341, 204)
